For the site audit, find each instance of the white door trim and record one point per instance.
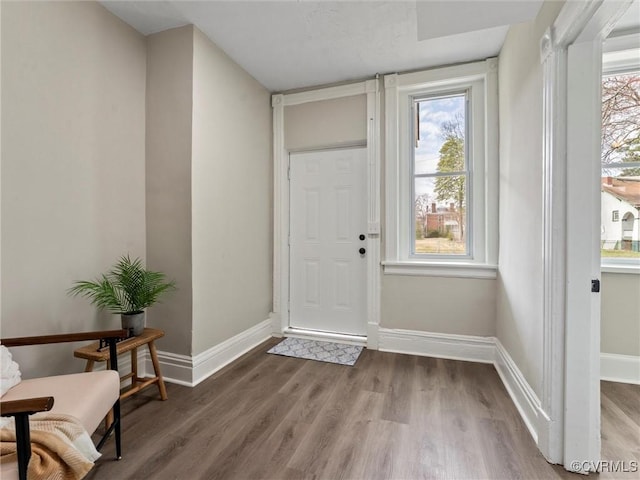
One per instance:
(280, 313)
(579, 27)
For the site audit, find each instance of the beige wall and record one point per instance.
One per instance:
(73, 166)
(327, 123)
(461, 306)
(168, 175)
(209, 213)
(232, 197)
(430, 304)
(519, 288)
(620, 317)
(160, 147)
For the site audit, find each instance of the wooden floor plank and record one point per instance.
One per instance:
(620, 420)
(390, 416)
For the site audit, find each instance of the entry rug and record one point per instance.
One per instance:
(315, 350)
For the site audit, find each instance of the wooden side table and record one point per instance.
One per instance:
(92, 353)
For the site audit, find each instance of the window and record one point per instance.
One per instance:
(441, 165)
(620, 185)
(440, 175)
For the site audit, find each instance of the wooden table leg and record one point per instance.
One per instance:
(89, 367)
(156, 369)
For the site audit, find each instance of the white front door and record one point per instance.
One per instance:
(328, 223)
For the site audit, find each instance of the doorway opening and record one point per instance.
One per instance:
(620, 244)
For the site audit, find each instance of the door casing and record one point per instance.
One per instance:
(280, 314)
(569, 428)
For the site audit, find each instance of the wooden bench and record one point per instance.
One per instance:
(93, 353)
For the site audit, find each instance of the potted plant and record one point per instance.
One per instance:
(128, 288)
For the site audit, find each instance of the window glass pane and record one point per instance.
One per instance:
(620, 211)
(621, 118)
(620, 187)
(440, 215)
(439, 136)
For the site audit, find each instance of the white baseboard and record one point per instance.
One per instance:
(455, 347)
(620, 368)
(210, 361)
(190, 371)
(373, 336)
(175, 368)
(521, 393)
(276, 324)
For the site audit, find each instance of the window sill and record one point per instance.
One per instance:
(442, 269)
(629, 268)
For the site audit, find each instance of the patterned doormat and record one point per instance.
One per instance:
(315, 350)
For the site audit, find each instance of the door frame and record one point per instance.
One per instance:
(569, 429)
(281, 271)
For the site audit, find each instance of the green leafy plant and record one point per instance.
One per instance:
(127, 288)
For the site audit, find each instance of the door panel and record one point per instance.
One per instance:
(327, 216)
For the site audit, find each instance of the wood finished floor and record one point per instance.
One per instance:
(390, 417)
(620, 407)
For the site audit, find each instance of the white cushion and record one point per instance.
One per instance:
(9, 371)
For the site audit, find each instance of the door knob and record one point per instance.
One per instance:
(362, 251)
(361, 237)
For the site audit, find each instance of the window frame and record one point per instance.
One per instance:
(467, 173)
(479, 80)
(620, 56)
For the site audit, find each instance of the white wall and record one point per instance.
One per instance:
(519, 288)
(232, 195)
(73, 166)
(168, 180)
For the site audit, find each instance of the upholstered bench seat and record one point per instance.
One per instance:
(86, 396)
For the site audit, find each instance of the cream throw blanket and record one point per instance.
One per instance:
(60, 447)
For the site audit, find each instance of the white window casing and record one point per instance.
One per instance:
(480, 80)
(621, 55)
